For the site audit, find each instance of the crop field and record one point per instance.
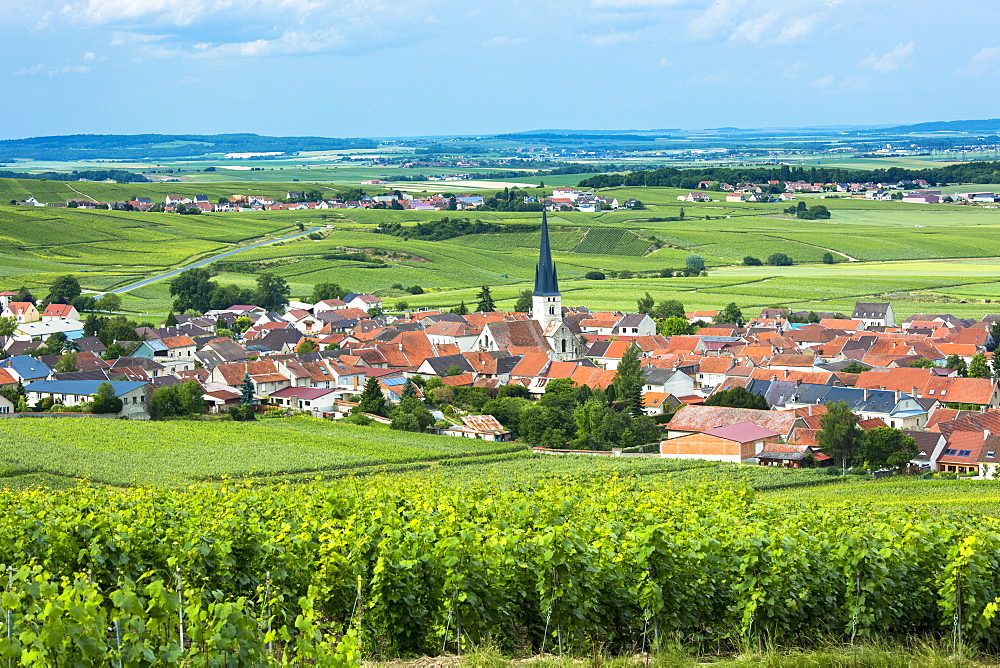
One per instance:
(979, 496)
(558, 562)
(122, 453)
(900, 248)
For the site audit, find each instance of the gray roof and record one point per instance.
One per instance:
(81, 387)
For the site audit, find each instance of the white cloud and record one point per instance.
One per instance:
(502, 40)
(291, 41)
(824, 82)
(985, 63)
(664, 62)
(891, 61)
(612, 38)
(796, 28)
(715, 20)
(185, 12)
(754, 29)
(89, 55)
(50, 70)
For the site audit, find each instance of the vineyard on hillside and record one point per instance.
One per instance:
(422, 565)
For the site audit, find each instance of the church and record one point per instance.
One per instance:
(547, 329)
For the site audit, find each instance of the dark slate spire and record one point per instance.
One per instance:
(545, 273)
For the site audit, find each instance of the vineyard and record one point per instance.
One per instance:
(420, 565)
(612, 241)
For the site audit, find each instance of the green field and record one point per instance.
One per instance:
(125, 453)
(923, 258)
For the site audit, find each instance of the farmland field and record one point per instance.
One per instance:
(923, 258)
(122, 453)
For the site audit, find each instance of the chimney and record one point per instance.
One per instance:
(915, 394)
(899, 396)
(986, 434)
(865, 395)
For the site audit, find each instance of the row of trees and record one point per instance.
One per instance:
(193, 290)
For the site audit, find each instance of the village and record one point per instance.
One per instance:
(930, 376)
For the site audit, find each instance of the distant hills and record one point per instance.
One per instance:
(989, 126)
(152, 146)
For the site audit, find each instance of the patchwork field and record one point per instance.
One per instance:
(923, 258)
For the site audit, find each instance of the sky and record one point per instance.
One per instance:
(372, 68)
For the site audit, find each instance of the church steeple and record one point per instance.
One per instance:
(546, 302)
(545, 273)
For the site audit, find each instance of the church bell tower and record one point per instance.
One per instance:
(546, 302)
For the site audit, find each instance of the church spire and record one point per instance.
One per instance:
(545, 273)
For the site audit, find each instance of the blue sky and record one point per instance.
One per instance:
(428, 67)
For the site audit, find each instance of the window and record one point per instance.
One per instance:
(949, 451)
(964, 453)
(991, 454)
(931, 393)
(944, 392)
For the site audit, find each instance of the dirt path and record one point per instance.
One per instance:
(80, 193)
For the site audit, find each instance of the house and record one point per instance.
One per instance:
(22, 312)
(310, 399)
(134, 394)
(39, 331)
(874, 314)
(168, 348)
(697, 419)
(25, 368)
(635, 324)
(967, 452)
(667, 381)
(59, 312)
(364, 302)
(739, 443)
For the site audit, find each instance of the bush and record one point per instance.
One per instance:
(751, 261)
(779, 260)
(595, 275)
(242, 413)
(415, 290)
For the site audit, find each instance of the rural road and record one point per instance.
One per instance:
(201, 263)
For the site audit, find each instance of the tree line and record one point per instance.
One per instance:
(119, 175)
(969, 172)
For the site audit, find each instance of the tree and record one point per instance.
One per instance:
(7, 326)
(306, 346)
(461, 309)
(731, 315)
(839, 431)
(171, 320)
(192, 290)
(994, 336)
(405, 422)
(415, 290)
(828, 258)
(165, 402)
(695, 261)
(752, 261)
(272, 291)
(668, 308)
(323, 291)
(409, 390)
(524, 302)
(486, 304)
(738, 397)
(779, 260)
(506, 409)
(64, 289)
(674, 326)
(412, 406)
(884, 447)
(956, 363)
(856, 367)
(109, 302)
(241, 324)
(922, 363)
(247, 389)
(24, 295)
(371, 399)
(645, 304)
(628, 380)
(443, 395)
(595, 276)
(105, 400)
(66, 363)
(596, 425)
(979, 367)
